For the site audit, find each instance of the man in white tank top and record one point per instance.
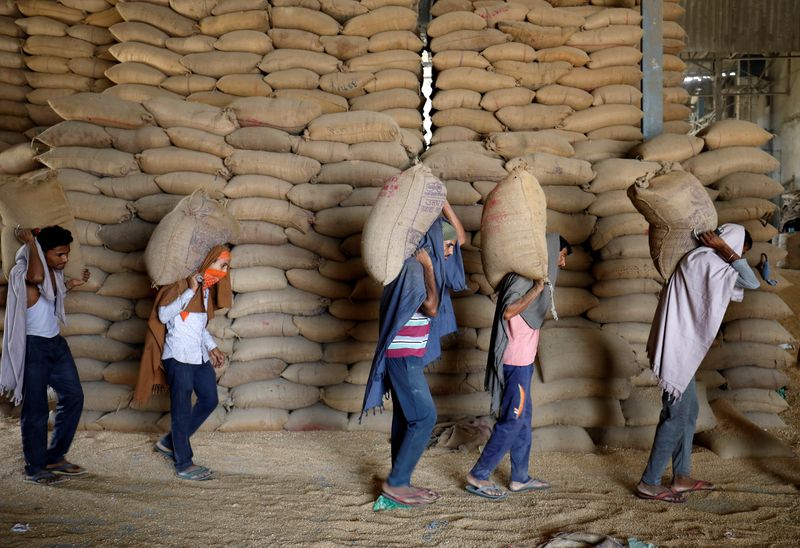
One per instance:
(48, 361)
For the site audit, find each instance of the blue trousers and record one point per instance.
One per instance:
(413, 417)
(512, 431)
(674, 435)
(185, 378)
(48, 361)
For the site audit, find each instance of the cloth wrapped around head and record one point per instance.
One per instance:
(152, 377)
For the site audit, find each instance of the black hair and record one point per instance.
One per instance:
(748, 240)
(564, 244)
(53, 236)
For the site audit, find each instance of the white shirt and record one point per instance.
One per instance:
(40, 319)
(187, 341)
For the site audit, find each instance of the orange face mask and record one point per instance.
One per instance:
(211, 276)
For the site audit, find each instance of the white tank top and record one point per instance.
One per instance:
(40, 319)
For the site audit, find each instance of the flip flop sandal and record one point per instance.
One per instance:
(532, 484)
(434, 496)
(411, 500)
(664, 496)
(699, 485)
(44, 477)
(66, 469)
(163, 450)
(483, 491)
(201, 473)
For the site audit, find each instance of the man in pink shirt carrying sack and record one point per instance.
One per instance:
(522, 305)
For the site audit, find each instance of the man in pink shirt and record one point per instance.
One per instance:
(522, 305)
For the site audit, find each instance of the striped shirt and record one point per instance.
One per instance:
(412, 339)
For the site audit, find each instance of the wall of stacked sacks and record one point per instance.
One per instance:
(295, 112)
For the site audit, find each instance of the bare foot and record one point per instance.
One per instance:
(686, 484)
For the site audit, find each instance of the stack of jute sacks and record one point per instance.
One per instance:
(676, 111)
(66, 52)
(14, 118)
(749, 355)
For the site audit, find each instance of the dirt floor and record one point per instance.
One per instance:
(317, 488)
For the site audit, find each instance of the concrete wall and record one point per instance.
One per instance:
(785, 122)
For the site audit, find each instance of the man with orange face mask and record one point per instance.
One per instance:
(179, 352)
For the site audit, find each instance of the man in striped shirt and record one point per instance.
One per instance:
(409, 309)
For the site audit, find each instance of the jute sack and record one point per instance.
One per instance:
(612, 202)
(513, 229)
(533, 75)
(574, 227)
(756, 330)
(625, 308)
(625, 247)
(734, 133)
(623, 224)
(254, 420)
(584, 412)
(562, 439)
(104, 396)
(602, 116)
(359, 173)
(479, 121)
(323, 246)
(573, 56)
(317, 417)
(761, 305)
(567, 199)
(511, 145)
(475, 311)
(282, 165)
(461, 164)
(536, 36)
(533, 116)
(35, 203)
(496, 99)
(453, 59)
(276, 393)
(174, 113)
(185, 236)
(305, 19)
(766, 421)
(669, 148)
(161, 17)
(713, 165)
(453, 21)
(462, 405)
(345, 397)
(740, 185)
(84, 324)
(353, 127)
(551, 169)
(261, 325)
(238, 373)
(323, 328)
(341, 222)
(74, 133)
(736, 354)
(362, 311)
(569, 389)
(100, 348)
(138, 140)
(493, 13)
(752, 399)
(287, 301)
(591, 79)
(110, 308)
(737, 437)
(755, 377)
(469, 40)
(738, 210)
(626, 269)
(102, 162)
(291, 115)
(287, 349)
(219, 25)
(615, 288)
(633, 332)
(674, 204)
(614, 57)
(555, 94)
(575, 353)
(619, 174)
(279, 212)
(406, 208)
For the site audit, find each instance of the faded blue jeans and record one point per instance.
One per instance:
(413, 417)
(512, 431)
(674, 435)
(183, 379)
(48, 361)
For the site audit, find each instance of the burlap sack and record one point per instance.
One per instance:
(406, 208)
(513, 229)
(184, 237)
(36, 203)
(674, 204)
